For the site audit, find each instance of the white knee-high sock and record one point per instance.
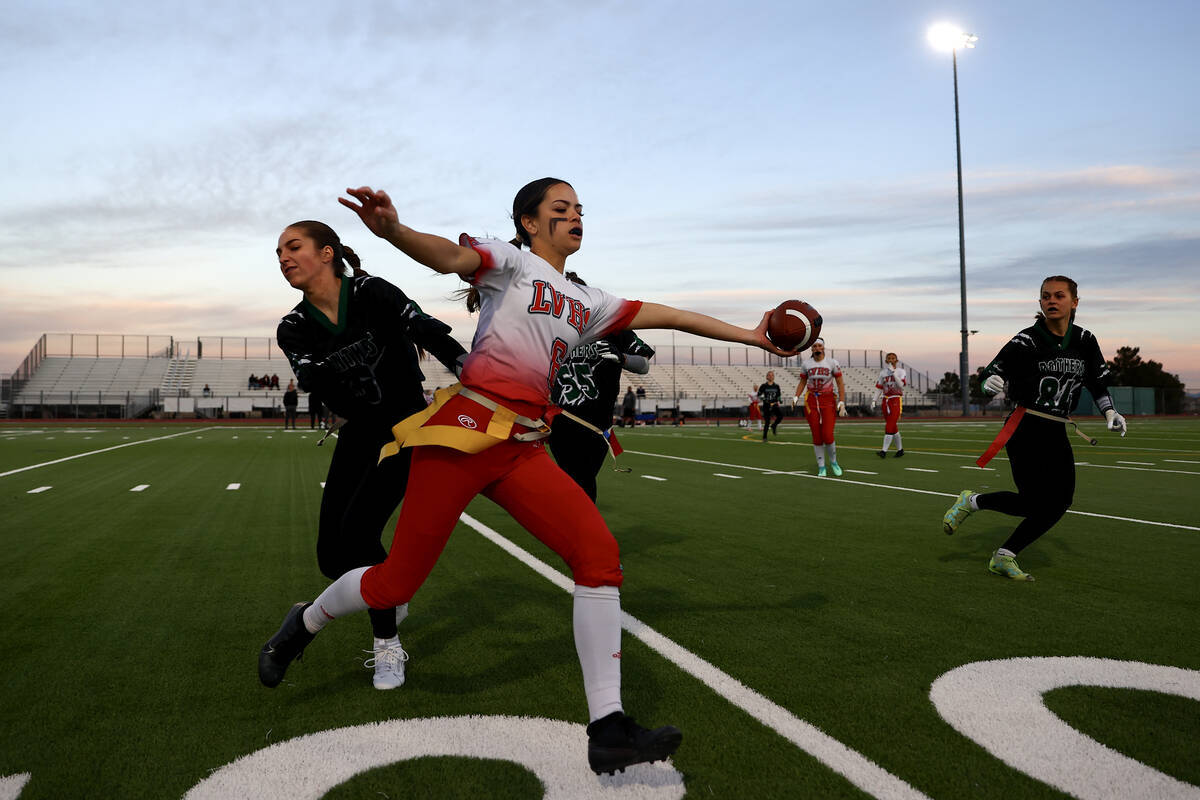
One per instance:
(887, 442)
(819, 450)
(597, 619)
(899, 441)
(342, 597)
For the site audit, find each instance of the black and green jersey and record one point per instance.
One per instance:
(1046, 372)
(770, 394)
(587, 385)
(366, 367)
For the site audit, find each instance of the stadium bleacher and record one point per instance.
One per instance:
(175, 385)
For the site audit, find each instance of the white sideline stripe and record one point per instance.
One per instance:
(1138, 463)
(1137, 469)
(859, 471)
(233, 487)
(918, 469)
(39, 490)
(723, 475)
(1180, 461)
(653, 478)
(141, 487)
(973, 466)
(852, 482)
(94, 452)
(856, 768)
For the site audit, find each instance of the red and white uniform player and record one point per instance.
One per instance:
(821, 376)
(889, 387)
(755, 411)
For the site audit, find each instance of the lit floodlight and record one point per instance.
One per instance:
(946, 37)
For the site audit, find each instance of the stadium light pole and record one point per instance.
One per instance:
(944, 36)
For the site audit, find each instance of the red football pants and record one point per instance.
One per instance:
(891, 414)
(519, 477)
(821, 412)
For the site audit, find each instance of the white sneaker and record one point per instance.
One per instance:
(388, 661)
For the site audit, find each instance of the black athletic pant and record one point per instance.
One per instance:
(772, 416)
(289, 417)
(1043, 468)
(360, 496)
(578, 451)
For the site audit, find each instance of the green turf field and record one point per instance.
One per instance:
(791, 626)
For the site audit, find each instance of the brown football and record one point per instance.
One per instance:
(794, 325)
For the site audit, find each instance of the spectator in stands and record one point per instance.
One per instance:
(291, 400)
(818, 376)
(207, 391)
(354, 339)
(629, 408)
(274, 381)
(253, 382)
(641, 393)
(531, 317)
(890, 387)
(586, 389)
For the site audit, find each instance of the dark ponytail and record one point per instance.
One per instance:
(324, 236)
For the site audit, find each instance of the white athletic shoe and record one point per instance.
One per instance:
(388, 661)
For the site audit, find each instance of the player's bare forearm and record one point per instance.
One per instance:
(656, 315)
(378, 213)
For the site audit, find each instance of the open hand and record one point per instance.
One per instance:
(374, 208)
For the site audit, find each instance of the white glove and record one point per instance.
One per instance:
(842, 408)
(994, 384)
(606, 351)
(795, 400)
(1115, 421)
(874, 402)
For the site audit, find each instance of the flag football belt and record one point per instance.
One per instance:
(608, 436)
(417, 430)
(1010, 425)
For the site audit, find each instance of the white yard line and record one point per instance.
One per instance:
(95, 452)
(853, 766)
(723, 475)
(852, 482)
(233, 487)
(653, 478)
(141, 487)
(918, 469)
(39, 490)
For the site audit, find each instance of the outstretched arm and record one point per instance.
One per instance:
(376, 211)
(655, 315)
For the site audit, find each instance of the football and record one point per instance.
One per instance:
(794, 325)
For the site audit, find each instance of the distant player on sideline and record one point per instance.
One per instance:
(772, 408)
(1045, 367)
(754, 411)
(819, 375)
(890, 386)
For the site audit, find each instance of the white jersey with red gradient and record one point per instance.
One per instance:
(820, 375)
(530, 319)
(892, 381)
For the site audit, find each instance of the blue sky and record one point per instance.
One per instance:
(729, 155)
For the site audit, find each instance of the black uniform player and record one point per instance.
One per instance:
(1045, 367)
(769, 396)
(360, 355)
(586, 387)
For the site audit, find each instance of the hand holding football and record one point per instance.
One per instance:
(794, 325)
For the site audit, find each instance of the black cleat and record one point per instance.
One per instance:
(899, 454)
(616, 742)
(881, 454)
(284, 647)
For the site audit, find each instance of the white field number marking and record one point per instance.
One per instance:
(553, 750)
(998, 704)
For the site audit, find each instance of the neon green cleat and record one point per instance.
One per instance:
(1007, 566)
(820, 472)
(835, 469)
(957, 512)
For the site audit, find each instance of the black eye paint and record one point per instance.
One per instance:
(554, 223)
